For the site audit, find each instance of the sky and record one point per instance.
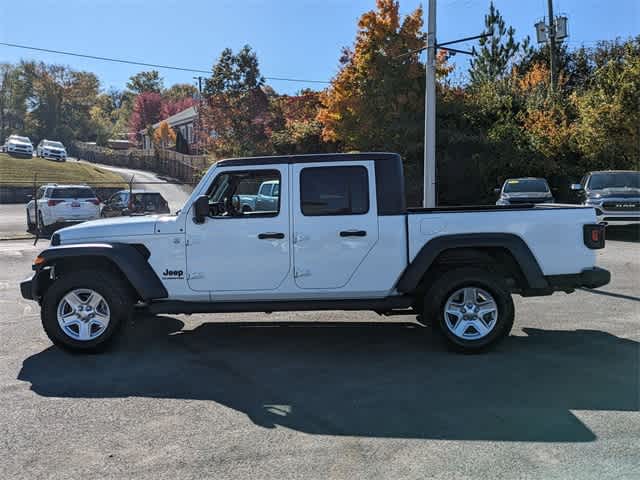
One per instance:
(293, 38)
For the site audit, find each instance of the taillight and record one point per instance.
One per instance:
(95, 201)
(53, 203)
(593, 235)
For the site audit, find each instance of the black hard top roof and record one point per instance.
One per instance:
(309, 158)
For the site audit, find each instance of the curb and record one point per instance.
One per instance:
(17, 237)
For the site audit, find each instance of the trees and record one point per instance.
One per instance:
(496, 52)
(376, 101)
(13, 93)
(58, 101)
(179, 92)
(608, 112)
(146, 111)
(164, 136)
(144, 82)
(298, 131)
(235, 117)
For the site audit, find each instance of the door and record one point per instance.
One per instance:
(335, 222)
(236, 250)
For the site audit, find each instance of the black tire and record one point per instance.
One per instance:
(452, 281)
(30, 225)
(116, 294)
(41, 227)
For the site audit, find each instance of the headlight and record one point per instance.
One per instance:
(502, 201)
(593, 201)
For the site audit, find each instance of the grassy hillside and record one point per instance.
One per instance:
(20, 171)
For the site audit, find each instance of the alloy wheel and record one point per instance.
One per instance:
(83, 314)
(470, 313)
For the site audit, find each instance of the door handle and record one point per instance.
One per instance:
(353, 233)
(270, 235)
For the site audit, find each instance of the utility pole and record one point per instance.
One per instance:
(429, 194)
(198, 125)
(552, 45)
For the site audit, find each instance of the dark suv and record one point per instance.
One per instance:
(135, 202)
(616, 193)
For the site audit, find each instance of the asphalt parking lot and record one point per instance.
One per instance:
(208, 397)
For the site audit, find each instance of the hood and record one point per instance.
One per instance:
(626, 192)
(107, 228)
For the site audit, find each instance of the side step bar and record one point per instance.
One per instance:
(380, 305)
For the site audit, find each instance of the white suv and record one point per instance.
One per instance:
(50, 149)
(16, 145)
(62, 204)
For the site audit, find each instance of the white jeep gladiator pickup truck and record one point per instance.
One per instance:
(339, 238)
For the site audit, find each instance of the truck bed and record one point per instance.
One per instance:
(552, 232)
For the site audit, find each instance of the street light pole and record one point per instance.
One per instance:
(429, 193)
(552, 44)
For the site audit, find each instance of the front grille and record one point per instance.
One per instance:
(621, 206)
(524, 200)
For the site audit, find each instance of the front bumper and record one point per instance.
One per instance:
(617, 219)
(27, 287)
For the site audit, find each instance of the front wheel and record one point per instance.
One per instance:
(82, 311)
(471, 308)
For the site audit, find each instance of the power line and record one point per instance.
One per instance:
(153, 65)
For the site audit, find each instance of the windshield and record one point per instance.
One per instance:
(599, 181)
(49, 143)
(529, 185)
(19, 139)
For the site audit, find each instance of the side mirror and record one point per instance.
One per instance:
(201, 209)
(497, 190)
(576, 187)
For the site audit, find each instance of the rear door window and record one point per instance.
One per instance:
(334, 191)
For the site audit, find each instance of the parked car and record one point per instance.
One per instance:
(524, 190)
(51, 150)
(17, 145)
(340, 239)
(265, 200)
(136, 202)
(60, 205)
(615, 193)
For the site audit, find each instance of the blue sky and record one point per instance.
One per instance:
(293, 38)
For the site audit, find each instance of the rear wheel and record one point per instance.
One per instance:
(41, 227)
(82, 311)
(471, 308)
(30, 225)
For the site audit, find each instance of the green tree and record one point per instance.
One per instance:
(496, 52)
(179, 91)
(150, 81)
(59, 102)
(606, 129)
(235, 117)
(13, 95)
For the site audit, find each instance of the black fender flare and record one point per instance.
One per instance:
(128, 258)
(410, 278)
